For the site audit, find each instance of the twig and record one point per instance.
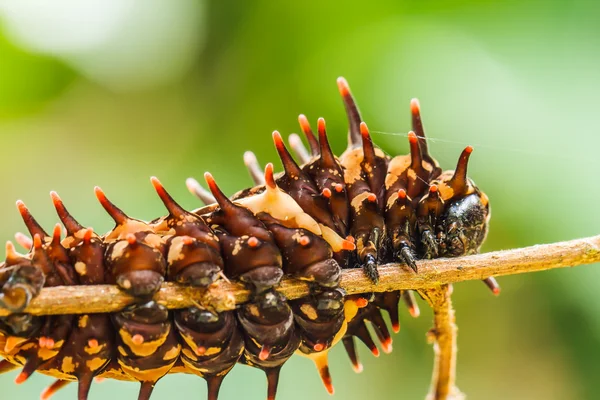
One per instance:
(432, 274)
(443, 338)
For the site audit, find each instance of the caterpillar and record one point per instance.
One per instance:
(320, 215)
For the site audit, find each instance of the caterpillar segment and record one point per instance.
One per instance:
(320, 215)
(32, 342)
(300, 186)
(328, 178)
(320, 319)
(363, 167)
(135, 253)
(147, 344)
(249, 248)
(193, 250)
(270, 335)
(212, 344)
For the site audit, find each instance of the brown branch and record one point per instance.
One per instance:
(432, 274)
(443, 338)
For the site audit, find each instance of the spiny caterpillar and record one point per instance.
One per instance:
(308, 222)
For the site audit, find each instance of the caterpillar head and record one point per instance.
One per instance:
(466, 214)
(465, 225)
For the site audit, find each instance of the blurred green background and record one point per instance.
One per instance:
(110, 92)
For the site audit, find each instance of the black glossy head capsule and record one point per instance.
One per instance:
(466, 215)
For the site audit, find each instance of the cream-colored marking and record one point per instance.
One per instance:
(237, 246)
(309, 311)
(130, 226)
(81, 268)
(282, 206)
(160, 225)
(357, 201)
(95, 363)
(446, 191)
(154, 240)
(411, 174)
(118, 249)
(396, 168)
(68, 242)
(332, 238)
(391, 200)
(297, 236)
(175, 250)
(426, 166)
(83, 321)
(350, 161)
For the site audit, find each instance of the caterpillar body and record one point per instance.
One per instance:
(317, 217)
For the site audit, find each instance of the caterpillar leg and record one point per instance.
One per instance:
(53, 388)
(84, 384)
(214, 384)
(493, 285)
(272, 382)
(411, 303)
(350, 347)
(146, 389)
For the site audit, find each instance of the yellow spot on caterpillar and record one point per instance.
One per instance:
(122, 351)
(144, 349)
(12, 342)
(46, 354)
(174, 352)
(83, 321)
(189, 354)
(67, 365)
(96, 363)
(148, 375)
(309, 311)
(94, 350)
